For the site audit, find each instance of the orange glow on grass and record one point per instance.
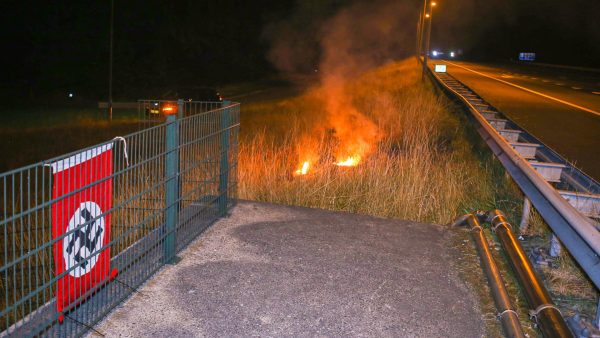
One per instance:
(351, 161)
(304, 169)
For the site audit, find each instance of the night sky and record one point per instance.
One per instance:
(51, 47)
(559, 31)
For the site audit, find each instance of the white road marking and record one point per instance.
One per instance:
(545, 80)
(576, 88)
(559, 84)
(531, 91)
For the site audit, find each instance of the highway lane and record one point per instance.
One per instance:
(562, 110)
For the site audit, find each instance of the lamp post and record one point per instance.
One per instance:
(428, 16)
(110, 62)
(422, 26)
(418, 42)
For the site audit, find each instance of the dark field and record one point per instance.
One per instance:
(30, 136)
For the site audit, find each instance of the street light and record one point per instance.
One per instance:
(418, 40)
(428, 16)
(110, 61)
(422, 17)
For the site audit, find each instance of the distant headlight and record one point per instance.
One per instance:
(434, 53)
(452, 54)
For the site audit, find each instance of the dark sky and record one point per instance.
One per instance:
(57, 46)
(559, 31)
(54, 46)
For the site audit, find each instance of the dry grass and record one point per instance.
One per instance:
(428, 168)
(565, 278)
(424, 169)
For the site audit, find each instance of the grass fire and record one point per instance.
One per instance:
(398, 153)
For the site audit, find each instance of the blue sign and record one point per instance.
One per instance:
(526, 56)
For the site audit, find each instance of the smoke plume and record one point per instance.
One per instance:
(345, 41)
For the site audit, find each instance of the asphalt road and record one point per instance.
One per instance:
(559, 107)
(277, 271)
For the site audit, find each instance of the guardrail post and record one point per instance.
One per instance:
(171, 184)
(525, 217)
(224, 165)
(597, 319)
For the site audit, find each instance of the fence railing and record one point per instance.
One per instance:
(82, 231)
(575, 230)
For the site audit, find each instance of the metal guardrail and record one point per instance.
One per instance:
(81, 232)
(576, 231)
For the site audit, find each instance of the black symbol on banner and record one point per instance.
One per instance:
(82, 237)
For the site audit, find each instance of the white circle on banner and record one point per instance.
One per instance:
(81, 245)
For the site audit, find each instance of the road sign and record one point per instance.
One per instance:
(527, 56)
(440, 68)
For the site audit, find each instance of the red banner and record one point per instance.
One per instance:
(81, 227)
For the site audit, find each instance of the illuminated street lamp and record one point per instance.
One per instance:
(428, 15)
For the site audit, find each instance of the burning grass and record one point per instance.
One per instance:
(424, 165)
(398, 153)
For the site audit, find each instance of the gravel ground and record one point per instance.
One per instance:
(271, 270)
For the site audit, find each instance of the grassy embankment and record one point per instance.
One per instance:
(430, 167)
(425, 169)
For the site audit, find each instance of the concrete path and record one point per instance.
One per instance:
(271, 270)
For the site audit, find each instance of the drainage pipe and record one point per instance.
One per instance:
(546, 315)
(506, 313)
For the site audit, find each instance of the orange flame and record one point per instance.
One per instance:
(304, 169)
(356, 133)
(351, 161)
(347, 135)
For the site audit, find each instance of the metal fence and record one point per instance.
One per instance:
(150, 111)
(81, 232)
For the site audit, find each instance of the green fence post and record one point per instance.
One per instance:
(224, 166)
(171, 185)
(180, 109)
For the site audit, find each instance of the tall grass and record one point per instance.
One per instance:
(424, 169)
(430, 167)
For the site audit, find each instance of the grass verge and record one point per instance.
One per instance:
(430, 167)
(424, 169)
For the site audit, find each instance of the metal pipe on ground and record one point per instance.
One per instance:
(546, 315)
(506, 313)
